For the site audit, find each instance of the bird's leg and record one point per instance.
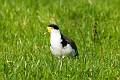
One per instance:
(59, 61)
(60, 64)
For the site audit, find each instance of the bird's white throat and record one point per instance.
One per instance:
(55, 38)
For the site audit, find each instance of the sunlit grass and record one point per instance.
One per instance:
(24, 42)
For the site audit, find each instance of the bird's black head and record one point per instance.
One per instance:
(53, 26)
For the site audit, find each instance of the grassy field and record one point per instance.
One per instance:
(94, 25)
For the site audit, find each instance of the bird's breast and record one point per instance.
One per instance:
(56, 50)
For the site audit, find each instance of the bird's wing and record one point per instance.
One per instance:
(71, 42)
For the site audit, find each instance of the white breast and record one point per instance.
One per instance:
(55, 41)
(56, 46)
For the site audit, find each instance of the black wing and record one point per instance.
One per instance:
(66, 40)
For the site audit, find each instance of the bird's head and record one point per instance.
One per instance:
(52, 27)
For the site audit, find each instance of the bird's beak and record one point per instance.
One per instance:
(49, 29)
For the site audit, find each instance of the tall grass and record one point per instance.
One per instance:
(94, 25)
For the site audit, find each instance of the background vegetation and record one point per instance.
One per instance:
(24, 42)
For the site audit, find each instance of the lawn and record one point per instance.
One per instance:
(94, 25)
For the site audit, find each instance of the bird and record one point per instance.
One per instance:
(60, 45)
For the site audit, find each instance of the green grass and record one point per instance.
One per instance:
(24, 41)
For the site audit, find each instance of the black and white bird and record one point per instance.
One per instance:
(60, 45)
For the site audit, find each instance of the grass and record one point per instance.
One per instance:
(24, 42)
